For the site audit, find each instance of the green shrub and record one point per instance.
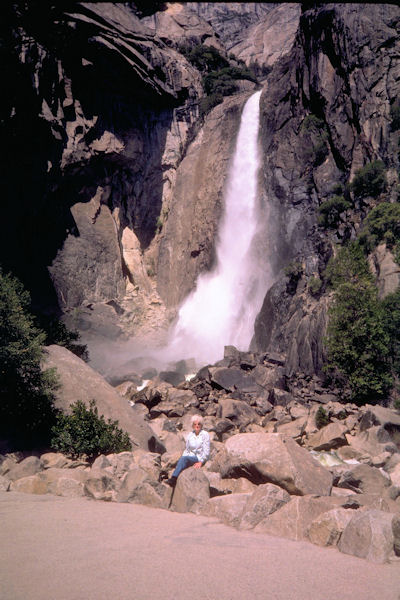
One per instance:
(391, 311)
(350, 265)
(26, 393)
(84, 433)
(204, 58)
(57, 333)
(321, 417)
(218, 75)
(381, 224)
(294, 269)
(370, 181)
(358, 342)
(331, 209)
(314, 285)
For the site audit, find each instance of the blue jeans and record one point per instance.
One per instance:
(183, 463)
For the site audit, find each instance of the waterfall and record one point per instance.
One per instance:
(223, 307)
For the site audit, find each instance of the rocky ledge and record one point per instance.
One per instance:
(287, 458)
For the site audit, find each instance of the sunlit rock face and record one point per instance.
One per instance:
(113, 187)
(92, 123)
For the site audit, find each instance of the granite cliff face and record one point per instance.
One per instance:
(113, 182)
(344, 70)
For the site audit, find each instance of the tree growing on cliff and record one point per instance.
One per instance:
(26, 392)
(358, 342)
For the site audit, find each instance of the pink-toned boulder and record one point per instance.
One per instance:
(364, 479)
(192, 491)
(266, 499)
(228, 509)
(371, 534)
(329, 437)
(294, 518)
(4, 483)
(64, 482)
(100, 485)
(80, 382)
(327, 528)
(273, 458)
(29, 466)
(32, 484)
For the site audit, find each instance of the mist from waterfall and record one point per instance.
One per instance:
(222, 308)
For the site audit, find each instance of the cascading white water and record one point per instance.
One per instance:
(223, 307)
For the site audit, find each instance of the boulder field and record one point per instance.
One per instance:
(273, 468)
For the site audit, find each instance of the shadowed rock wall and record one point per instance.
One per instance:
(344, 71)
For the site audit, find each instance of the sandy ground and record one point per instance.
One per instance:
(76, 549)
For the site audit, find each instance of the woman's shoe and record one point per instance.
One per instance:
(171, 481)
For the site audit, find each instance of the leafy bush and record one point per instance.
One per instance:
(218, 75)
(391, 311)
(349, 265)
(381, 224)
(84, 433)
(370, 181)
(26, 393)
(358, 343)
(204, 58)
(57, 333)
(314, 285)
(321, 417)
(331, 209)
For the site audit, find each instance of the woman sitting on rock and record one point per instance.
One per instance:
(197, 449)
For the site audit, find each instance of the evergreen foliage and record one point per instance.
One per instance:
(370, 181)
(85, 433)
(349, 265)
(321, 417)
(331, 209)
(57, 333)
(26, 393)
(363, 345)
(391, 311)
(358, 342)
(219, 75)
(381, 224)
(314, 285)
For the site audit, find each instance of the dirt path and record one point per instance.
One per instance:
(75, 549)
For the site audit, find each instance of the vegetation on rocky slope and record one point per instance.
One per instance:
(219, 75)
(26, 393)
(85, 433)
(363, 340)
(27, 411)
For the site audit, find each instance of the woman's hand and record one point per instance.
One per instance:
(197, 465)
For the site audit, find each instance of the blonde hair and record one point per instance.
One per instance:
(196, 419)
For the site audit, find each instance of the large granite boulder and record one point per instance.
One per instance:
(240, 413)
(294, 518)
(273, 458)
(364, 479)
(329, 437)
(192, 491)
(373, 535)
(327, 528)
(228, 509)
(78, 381)
(266, 499)
(27, 467)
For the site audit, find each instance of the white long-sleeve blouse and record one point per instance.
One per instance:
(198, 445)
